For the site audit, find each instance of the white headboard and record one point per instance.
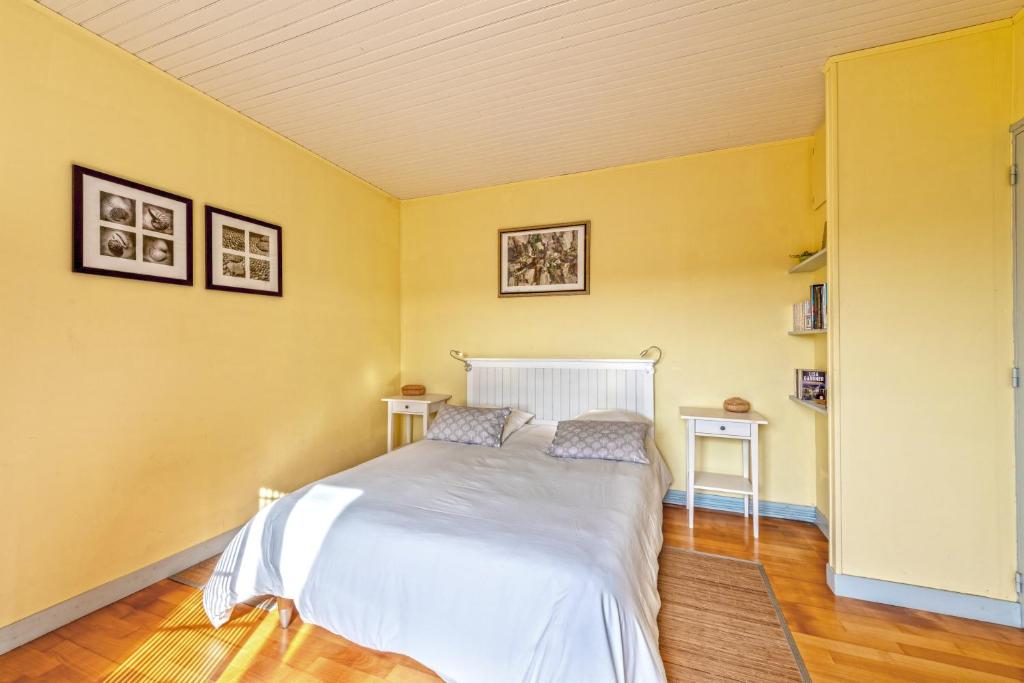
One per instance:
(560, 389)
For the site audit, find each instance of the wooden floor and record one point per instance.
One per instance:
(850, 640)
(161, 633)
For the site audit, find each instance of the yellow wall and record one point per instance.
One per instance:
(689, 254)
(138, 419)
(1017, 86)
(923, 270)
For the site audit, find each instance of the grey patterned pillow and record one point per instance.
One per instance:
(462, 424)
(601, 440)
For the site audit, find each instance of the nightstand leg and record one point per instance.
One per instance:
(408, 429)
(755, 475)
(391, 427)
(426, 421)
(746, 475)
(691, 465)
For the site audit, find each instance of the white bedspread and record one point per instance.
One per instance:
(485, 564)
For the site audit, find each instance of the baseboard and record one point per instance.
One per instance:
(711, 501)
(51, 618)
(977, 607)
(821, 521)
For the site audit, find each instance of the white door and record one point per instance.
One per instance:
(1018, 337)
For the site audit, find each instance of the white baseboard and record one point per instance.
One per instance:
(978, 607)
(51, 618)
(821, 521)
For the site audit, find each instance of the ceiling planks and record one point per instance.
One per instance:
(424, 97)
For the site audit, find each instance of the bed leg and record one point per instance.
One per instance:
(285, 610)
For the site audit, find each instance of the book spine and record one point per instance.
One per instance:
(824, 306)
(817, 308)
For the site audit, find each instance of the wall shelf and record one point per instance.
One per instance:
(801, 333)
(816, 407)
(811, 263)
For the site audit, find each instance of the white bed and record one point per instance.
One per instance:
(485, 564)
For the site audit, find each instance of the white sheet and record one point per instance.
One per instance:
(485, 564)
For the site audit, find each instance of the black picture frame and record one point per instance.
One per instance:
(211, 250)
(79, 174)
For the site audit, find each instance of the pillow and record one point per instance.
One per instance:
(516, 421)
(602, 440)
(613, 416)
(618, 416)
(461, 424)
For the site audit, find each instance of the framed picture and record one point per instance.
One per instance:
(242, 254)
(544, 259)
(125, 229)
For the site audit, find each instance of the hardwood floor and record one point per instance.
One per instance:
(161, 633)
(842, 639)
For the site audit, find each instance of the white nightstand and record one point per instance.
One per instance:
(425, 405)
(721, 424)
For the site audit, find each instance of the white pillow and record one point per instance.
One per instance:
(612, 416)
(615, 416)
(516, 421)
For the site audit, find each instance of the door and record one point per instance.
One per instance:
(1017, 130)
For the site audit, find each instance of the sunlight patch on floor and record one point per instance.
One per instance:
(244, 658)
(182, 649)
(297, 640)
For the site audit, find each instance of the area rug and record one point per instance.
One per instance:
(719, 621)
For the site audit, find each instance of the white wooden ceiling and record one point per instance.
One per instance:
(423, 97)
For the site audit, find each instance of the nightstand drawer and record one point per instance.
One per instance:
(722, 428)
(409, 408)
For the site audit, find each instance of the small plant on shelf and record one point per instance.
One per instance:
(803, 255)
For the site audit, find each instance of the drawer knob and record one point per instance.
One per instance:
(722, 428)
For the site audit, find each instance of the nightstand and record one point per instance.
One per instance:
(425, 406)
(721, 424)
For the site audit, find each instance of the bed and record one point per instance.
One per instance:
(485, 564)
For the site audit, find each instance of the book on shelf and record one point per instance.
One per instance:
(812, 314)
(818, 307)
(802, 316)
(812, 385)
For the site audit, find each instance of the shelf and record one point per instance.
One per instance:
(802, 333)
(816, 407)
(811, 263)
(726, 483)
